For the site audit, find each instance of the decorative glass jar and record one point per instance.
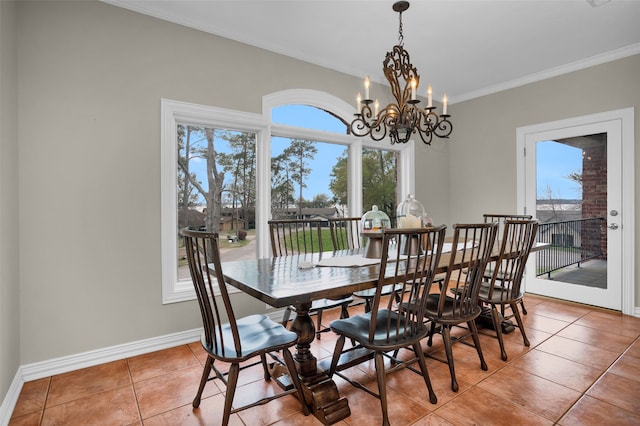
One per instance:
(372, 224)
(374, 221)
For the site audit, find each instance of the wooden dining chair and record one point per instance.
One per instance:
(236, 340)
(295, 236)
(504, 288)
(456, 302)
(345, 233)
(390, 326)
(291, 237)
(500, 219)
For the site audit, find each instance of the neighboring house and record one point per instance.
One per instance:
(195, 219)
(558, 210)
(308, 213)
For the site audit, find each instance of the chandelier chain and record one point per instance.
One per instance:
(400, 34)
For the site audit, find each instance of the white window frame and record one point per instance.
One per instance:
(174, 112)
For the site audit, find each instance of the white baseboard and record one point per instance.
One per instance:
(10, 399)
(65, 364)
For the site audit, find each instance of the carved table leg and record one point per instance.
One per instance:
(321, 393)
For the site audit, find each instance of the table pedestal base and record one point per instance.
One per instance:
(320, 391)
(324, 401)
(486, 321)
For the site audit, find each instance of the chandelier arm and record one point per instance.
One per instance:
(426, 136)
(444, 127)
(365, 125)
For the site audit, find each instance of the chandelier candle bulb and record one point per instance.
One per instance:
(367, 83)
(444, 104)
(358, 103)
(429, 98)
(376, 107)
(413, 89)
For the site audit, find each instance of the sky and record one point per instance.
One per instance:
(555, 161)
(322, 164)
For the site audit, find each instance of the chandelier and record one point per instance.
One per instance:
(404, 117)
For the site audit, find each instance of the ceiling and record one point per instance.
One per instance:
(466, 48)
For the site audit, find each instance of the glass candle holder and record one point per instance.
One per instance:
(410, 213)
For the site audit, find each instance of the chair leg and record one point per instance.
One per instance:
(518, 318)
(431, 332)
(497, 325)
(286, 316)
(336, 355)
(232, 381)
(344, 312)
(382, 387)
(367, 305)
(524, 310)
(476, 341)
(265, 367)
(425, 374)
(446, 337)
(203, 381)
(293, 375)
(319, 327)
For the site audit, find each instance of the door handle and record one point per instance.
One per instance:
(613, 226)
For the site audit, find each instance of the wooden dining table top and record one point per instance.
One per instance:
(281, 281)
(286, 280)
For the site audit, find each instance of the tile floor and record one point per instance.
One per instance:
(583, 368)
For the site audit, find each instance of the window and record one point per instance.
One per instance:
(215, 188)
(301, 176)
(208, 182)
(253, 156)
(380, 180)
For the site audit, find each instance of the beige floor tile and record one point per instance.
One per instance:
(592, 411)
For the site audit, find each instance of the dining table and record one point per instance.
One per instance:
(298, 280)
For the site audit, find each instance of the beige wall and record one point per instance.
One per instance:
(9, 279)
(91, 79)
(90, 83)
(483, 147)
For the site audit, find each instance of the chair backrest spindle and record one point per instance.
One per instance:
(502, 218)
(295, 236)
(345, 233)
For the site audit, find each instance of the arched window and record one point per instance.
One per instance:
(347, 172)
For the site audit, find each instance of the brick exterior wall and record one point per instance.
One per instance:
(594, 187)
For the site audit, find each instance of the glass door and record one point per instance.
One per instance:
(573, 186)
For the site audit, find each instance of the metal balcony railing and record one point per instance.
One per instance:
(572, 242)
